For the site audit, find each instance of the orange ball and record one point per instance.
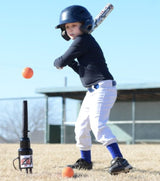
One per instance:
(67, 172)
(27, 73)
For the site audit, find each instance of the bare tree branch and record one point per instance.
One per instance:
(11, 119)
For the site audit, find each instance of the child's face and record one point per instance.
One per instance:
(73, 29)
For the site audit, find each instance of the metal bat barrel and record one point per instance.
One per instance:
(101, 16)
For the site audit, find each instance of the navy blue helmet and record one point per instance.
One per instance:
(73, 14)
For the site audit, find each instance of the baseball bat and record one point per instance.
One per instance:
(102, 15)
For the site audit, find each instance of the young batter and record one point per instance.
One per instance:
(86, 58)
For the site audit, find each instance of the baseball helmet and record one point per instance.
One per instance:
(73, 14)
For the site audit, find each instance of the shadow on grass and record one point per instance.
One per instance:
(134, 170)
(80, 175)
(145, 171)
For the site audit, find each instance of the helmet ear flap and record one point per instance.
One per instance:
(64, 34)
(87, 26)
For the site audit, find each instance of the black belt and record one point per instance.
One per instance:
(96, 86)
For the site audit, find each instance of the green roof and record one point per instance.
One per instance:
(143, 91)
(82, 89)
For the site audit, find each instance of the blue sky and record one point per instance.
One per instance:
(129, 38)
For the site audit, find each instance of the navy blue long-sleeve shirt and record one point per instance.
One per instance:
(90, 64)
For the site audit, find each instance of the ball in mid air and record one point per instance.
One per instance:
(27, 73)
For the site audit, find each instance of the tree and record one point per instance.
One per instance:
(11, 118)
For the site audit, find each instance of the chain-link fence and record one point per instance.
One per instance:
(49, 122)
(11, 117)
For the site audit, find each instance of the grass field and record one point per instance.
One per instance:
(50, 159)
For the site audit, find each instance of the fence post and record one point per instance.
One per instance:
(133, 119)
(47, 126)
(63, 139)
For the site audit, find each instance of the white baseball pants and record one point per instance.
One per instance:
(94, 114)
